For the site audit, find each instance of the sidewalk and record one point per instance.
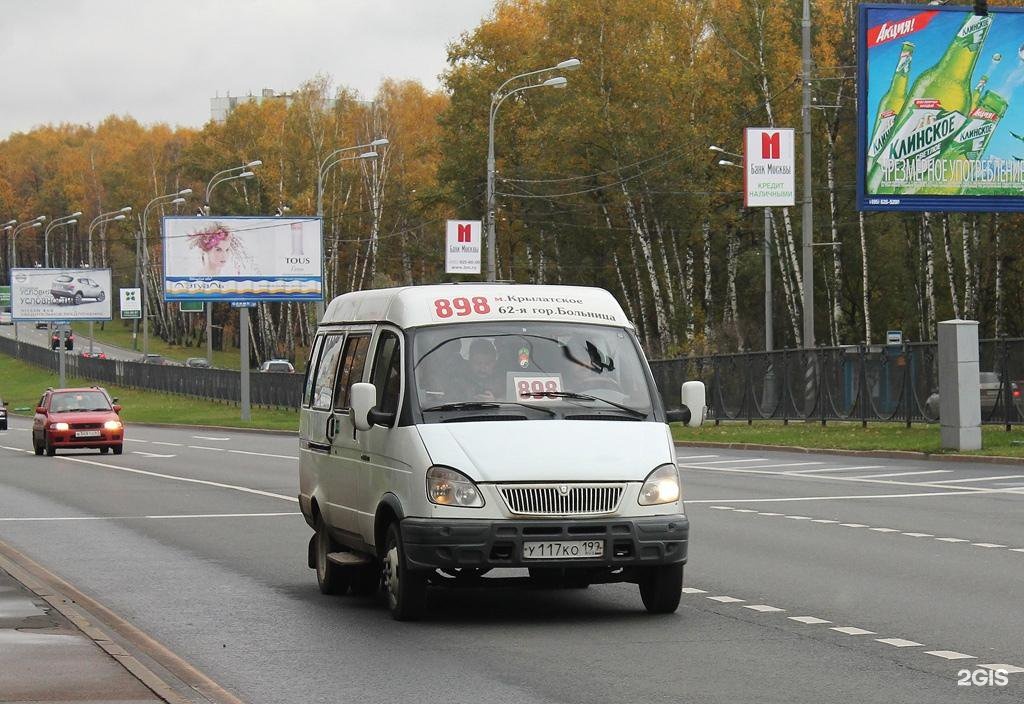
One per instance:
(45, 659)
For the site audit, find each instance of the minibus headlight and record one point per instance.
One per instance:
(662, 486)
(446, 487)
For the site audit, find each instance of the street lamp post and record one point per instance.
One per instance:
(54, 224)
(321, 175)
(217, 179)
(34, 222)
(7, 228)
(142, 259)
(102, 218)
(497, 98)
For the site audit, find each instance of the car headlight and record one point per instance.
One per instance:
(662, 486)
(446, 487)
(112, 425)
(60, 426)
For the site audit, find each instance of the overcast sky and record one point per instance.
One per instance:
(81, 60)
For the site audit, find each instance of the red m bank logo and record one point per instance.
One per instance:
(465, 233)
(770, 145)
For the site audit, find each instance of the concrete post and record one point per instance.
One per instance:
(959, 385)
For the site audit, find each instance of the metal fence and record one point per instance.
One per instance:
(895, 383)
(266, 389)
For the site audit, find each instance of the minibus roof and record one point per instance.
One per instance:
(443, 304)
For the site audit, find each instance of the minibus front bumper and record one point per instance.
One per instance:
(628, 542)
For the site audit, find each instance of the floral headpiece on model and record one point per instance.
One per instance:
(211, 237)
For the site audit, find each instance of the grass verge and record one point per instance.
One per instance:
(118, 334)
(849, 436)
(22, 384)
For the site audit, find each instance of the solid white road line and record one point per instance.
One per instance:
(790, 464)
(263, 454)
(898, 642)
(695, 457)
(853, 631)
(151, 454)
(919, 494)
(755, 459)
(834, 469)
(904, 474)
(169, 444)
(950, 655)
(200, 447)
(809, 620)
(978, 479)
(120, 518)
(208, 437)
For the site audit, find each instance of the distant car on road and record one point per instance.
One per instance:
(76, 289)
(198, 363)
(69, 340)
(96, 353)
(152, 359)
(42, 325)
(77, 419)
(3, 414)
(991, 387)
(277, 365)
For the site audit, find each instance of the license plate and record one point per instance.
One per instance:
(563, 550)
(87, 433)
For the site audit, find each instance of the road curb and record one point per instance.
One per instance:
(255, 431)
(78, 607)
(881, 454)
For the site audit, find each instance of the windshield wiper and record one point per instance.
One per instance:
(586, 397)
(481, 405)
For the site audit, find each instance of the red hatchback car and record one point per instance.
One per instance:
(77, 418)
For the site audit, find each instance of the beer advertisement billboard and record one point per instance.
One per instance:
(242, 259)
(60, 294)
(941, 108)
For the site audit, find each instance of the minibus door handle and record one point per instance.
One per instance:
(332, 428)
(364, 458)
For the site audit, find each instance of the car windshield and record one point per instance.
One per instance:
(71, 401)
(560, 368)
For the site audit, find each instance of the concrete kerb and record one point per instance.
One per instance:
(97, 622)
(881, 454)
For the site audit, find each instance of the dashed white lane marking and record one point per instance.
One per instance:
(788, 464)
(899, 642)
(950, 655)
(208, 437)
(1009, 669)
(1016, 549)
(904, 474)
(768, 513)
(200, 447)
(695, 457)
(725, 599)
(151, 454)
(744, 510)
(853, 525)
(823, 520)
(920, 535)
(693, 590)
(884, 530)
(723, 508)
(169, 444)
(799, 518)
(134, 440)
(764, 608)
(835, 469)
(120, 518)
(263, 454)
(847, 497)
(754, 459)
(988, 545)
(953, 540)
(978, 479)
(852, 631)
(809, 620)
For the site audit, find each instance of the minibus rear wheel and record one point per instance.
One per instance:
(661, 588)
(330, 577)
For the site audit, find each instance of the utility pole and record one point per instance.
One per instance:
(808, 205)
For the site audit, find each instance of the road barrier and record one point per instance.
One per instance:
(267, 389)
(891, 383)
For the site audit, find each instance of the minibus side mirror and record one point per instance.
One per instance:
(694, 398)
(363, 397)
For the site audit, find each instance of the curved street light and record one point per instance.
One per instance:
(497, 98)
(54, 224)
(216, 179)
(142, 254)
(102, 218)
(327, 164)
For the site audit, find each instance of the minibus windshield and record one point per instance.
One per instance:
(562, 369)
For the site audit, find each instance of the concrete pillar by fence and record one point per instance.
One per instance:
(959, 386)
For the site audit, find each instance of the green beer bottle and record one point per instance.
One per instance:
(936, 108)
(892, 102)
(959, 165)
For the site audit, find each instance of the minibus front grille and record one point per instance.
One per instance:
(562, 499)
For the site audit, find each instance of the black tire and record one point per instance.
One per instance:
(38, 447)
(406, 589)
(78, 298)
(118, 449)
(104, 450)
(661, 588)
(366, 579)
(50, 449)
(101, 296)
(331, 578)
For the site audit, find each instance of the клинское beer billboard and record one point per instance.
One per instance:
(941, 122)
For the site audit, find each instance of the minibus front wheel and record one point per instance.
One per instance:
(406, 589)
(661, 588)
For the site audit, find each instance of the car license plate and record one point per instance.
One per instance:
(563, 550)
(87, 433)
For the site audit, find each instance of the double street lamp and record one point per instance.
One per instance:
(112, 216)
(54, 224)
(142, 255)
(497, 98)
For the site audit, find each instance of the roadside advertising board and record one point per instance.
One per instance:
(5, 296)
(60, 294)
(131, 303)
(941, 108)
(242, 259)
(462, 247)
(769, 167)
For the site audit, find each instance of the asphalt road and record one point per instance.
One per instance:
(811, 579)
(41, 338)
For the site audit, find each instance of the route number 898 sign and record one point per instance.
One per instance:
(530, 388)
(461, 307)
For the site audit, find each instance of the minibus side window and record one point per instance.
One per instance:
(387, 372)
(307, 384)
(324, 385)
(352, 368)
